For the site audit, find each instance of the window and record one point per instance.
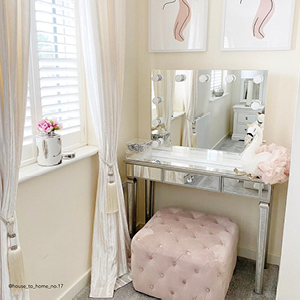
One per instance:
(216, 79)
(55, 84)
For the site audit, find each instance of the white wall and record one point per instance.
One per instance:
(220, 110)
(176, 130)
(56, 211)
(289, 275)
(283, 69)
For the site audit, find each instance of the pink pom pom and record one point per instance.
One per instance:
(277, 168)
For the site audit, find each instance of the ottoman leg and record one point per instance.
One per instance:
(264, 210)
(132, 203)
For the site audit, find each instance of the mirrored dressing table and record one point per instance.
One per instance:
(200, 169)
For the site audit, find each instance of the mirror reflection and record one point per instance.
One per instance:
(208, 109)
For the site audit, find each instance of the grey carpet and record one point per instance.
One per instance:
(229, 145)
(241, 286)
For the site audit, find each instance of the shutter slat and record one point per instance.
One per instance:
(43, 12)
(59, 34)
(52, 5)
(62, 101)
(70, 129)
(69, 114)
(54, 43)
(59, 88)
(61, 26)
(62, 105)
(54, 81)
(53, 53)
(70, 123)
(59, 97)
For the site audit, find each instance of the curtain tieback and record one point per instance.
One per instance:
(111, 188)
(9, 225)
(14, 258)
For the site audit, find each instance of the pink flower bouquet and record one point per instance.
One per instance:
(48, 126)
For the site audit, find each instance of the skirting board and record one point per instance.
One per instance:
(243, 252)
(76, 287)
(251, 254)
(221, 140)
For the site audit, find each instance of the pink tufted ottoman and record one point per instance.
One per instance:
(184, 255)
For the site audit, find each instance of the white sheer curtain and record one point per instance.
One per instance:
(190, 109)
(14, 54)
(102, 25)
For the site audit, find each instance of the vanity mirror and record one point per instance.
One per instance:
(207, 109)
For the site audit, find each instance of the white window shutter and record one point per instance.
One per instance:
(216, 79)
(55, 73)
(58, 64)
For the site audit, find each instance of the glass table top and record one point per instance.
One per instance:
(208, 160)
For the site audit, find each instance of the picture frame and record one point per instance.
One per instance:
(257, 25)
(178, 25)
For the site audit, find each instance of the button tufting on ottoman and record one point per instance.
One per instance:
(184, 255)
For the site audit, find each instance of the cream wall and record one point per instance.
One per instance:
(283, 69)
(55, 211)
(289, 275)
(55, 215)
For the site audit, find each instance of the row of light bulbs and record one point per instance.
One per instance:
(205, 78)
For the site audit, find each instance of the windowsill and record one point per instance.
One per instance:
(34, 170)
(212, 99)
(177, 114)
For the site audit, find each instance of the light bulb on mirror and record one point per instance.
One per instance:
(157, 100)
(158, 142)
(256, 104)
(157, 78)
(180, 78)
(156, 122)
(204, 78)
(230, 78)
(258, 79)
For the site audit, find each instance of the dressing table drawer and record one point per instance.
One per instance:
(203, 182)
(246, 188)
(144, 172)
(242, 129)
(246, 118)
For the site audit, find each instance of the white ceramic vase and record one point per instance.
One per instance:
(48, 149)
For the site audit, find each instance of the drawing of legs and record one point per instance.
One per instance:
(264, 14)
(182, 20)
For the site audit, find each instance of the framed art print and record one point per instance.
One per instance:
(177, 25)
(257, 24)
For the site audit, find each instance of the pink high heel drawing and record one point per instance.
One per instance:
(182, 20)
(264, 14)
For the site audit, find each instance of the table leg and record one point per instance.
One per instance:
(132, 204)
(268, 235)
(151, 196)
(269, 221)
(149, 199)
(264, 211)
(146, 202)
